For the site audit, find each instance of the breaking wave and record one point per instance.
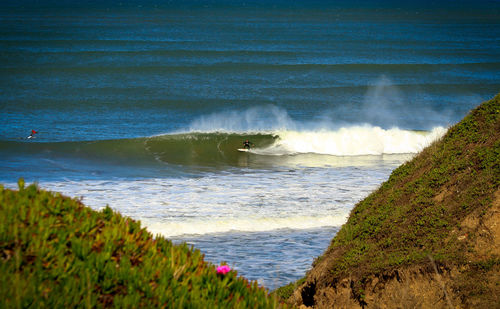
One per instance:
(220, 148)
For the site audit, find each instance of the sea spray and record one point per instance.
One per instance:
(386, 104)
(255, 119)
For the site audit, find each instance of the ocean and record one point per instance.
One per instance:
(142, 105)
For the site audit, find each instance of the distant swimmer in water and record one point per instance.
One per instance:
(32, 135)
(247, 144)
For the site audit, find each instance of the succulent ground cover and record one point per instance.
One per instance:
(57, 253)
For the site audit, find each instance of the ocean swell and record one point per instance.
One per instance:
(220, 148)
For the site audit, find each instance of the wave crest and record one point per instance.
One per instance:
(352, 141)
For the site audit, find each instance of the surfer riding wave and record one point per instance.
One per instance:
(247, 144)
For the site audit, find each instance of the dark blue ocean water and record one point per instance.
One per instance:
(105, 71)
(142, 105)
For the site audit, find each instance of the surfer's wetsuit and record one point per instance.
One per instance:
(246, 145)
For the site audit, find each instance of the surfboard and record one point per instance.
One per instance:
(243, 149)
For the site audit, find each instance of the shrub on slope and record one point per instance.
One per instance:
(425, 199)
(57, 253)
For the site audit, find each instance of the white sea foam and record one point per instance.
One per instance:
(170, 229)
(251, 200)
(352, 141)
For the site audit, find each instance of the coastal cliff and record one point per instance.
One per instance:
(429, 237)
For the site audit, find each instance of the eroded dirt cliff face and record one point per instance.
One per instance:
(409, 288)
(428, 285)
(429, 237)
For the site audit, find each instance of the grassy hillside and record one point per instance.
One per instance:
(431, 213)
(57, 253)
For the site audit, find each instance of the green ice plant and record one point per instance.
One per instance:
(55, 252)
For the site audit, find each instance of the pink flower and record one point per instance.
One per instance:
(222, 270)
